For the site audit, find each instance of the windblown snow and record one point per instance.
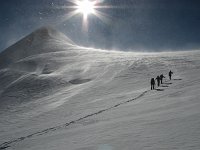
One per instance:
(55, 95)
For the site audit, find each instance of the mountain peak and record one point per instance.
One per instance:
(43, 40)
(48, 32)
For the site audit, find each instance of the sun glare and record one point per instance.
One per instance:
(86, 7)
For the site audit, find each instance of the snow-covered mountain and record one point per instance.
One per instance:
(56, 95)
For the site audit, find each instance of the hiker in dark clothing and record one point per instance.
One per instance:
(158, 80)
(161, 78)
(170, 74)
(152, 84)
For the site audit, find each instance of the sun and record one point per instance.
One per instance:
(86, 7)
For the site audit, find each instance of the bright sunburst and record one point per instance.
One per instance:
(86, 8)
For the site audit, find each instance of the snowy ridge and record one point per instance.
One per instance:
(56, 95)
(37, 42)
(30, 60)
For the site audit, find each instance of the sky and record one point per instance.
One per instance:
(127, 25)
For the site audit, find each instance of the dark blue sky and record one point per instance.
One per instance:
(150, 25)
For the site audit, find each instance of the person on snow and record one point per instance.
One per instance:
(161, 78)
(152, 84)
(158, 80)
(170, 74)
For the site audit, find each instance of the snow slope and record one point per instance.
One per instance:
(56, 95)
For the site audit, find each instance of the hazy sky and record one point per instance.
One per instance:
(150, 25)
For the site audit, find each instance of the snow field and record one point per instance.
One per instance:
(56, 95)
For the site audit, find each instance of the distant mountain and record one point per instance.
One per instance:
(35, 43)
(29, 68)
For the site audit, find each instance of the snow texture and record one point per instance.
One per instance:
(57, 95)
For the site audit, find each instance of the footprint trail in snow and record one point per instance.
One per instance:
(7, 144)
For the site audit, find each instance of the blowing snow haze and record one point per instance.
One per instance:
(57, 95)
(150, 25)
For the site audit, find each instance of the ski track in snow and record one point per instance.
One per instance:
(7, 144)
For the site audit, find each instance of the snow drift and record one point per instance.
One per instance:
(28, 70)
(56, 95)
